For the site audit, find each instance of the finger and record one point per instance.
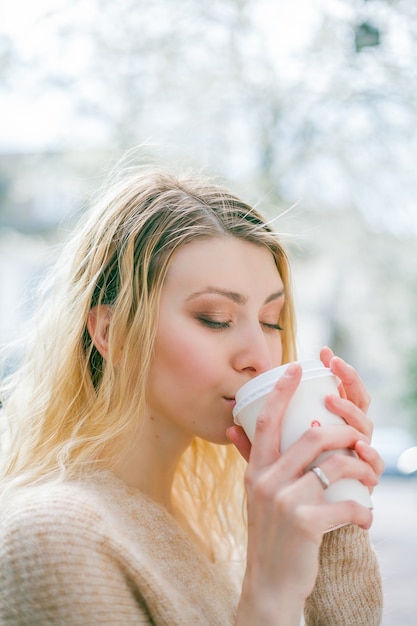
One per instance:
(337, 466)
(326, 355)
(332, 515)
(266, 442)
(371, 456)
(303, 452)
(353, 385)
(350, 413)
(238, 437)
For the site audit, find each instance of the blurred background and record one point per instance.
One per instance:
(306, 108)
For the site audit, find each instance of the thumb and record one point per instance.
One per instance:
(238, 437)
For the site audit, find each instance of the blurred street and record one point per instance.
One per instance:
(394, 535)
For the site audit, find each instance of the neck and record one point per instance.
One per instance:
(148, 461)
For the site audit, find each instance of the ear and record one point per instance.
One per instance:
(98, 323)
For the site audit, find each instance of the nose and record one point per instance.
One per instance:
(253, 353)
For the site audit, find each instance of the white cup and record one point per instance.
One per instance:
(305, 410)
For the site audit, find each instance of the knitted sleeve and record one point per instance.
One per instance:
(56, 569)
(348, 588)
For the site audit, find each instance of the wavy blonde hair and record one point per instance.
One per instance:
(65, 405)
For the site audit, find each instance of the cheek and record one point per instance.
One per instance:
(277, 356)
(181, 355)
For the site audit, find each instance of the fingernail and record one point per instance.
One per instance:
(291, 370)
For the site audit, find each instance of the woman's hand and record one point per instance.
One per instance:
(287, 514)
(352, 405)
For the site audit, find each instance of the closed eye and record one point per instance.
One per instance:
(213, 323)
(272, 326)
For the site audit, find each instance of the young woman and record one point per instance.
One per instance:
(123, 478)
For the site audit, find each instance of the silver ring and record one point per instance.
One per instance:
(325, 482)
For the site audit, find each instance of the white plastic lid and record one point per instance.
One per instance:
(263, 384)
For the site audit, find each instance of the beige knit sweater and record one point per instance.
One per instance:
(98, 552)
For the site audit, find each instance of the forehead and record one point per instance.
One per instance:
(224, 262)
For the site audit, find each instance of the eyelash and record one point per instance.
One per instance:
(213, 324)
(220, 325)
(274, 326)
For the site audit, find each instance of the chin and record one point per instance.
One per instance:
(221, 440)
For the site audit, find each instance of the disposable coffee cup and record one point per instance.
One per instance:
(305, 410)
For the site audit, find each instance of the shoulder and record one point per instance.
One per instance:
(61, 559)
(58, 512)
(99, 509)
(56, 534)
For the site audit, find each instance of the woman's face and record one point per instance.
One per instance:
(217, 329)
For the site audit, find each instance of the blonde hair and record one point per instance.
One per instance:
(65, 405)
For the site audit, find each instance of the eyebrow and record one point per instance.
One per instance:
(275, 296)
(233, 295)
